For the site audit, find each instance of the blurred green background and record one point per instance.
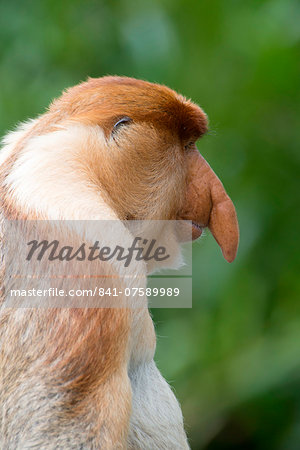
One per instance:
(234, 359)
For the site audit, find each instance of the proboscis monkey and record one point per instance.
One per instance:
(109, 148)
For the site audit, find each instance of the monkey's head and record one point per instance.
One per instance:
(138, 148)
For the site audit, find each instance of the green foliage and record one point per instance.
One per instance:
(234, 359)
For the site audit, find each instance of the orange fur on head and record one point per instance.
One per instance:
(154, 159)
(157, 153)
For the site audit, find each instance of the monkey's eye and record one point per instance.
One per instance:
(189, 145)
(121, 122)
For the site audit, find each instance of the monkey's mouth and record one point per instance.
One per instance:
(188, 230)
(196, 230)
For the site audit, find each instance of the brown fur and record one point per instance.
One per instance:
(72, 366)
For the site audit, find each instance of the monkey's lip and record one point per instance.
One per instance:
(196, 230)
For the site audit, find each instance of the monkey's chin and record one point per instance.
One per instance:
(196, 231)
